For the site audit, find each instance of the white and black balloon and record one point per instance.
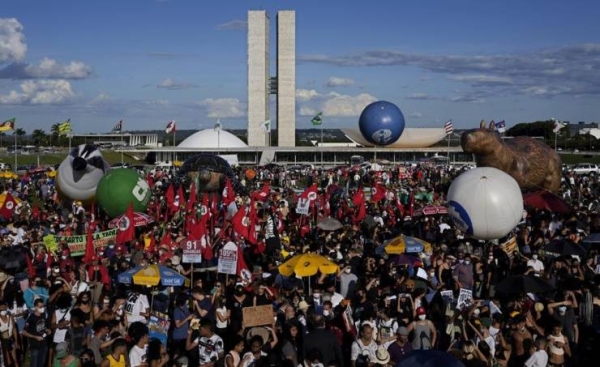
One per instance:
(485, 203)
(79, 173)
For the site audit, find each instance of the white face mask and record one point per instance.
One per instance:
(347, 271)
(467, 262)
(41, 309)
(326, 313)
(63, 257)
(317, 295)
(535, 256)
(422, 317)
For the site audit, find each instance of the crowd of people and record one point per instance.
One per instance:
(373, 310)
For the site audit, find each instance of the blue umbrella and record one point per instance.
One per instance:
(429, 358)
(127, 276)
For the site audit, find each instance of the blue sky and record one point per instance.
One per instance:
(148, 61)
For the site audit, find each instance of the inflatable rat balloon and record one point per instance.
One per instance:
(533, 164)
(79, 173)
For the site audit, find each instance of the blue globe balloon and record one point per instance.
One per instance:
(381, 123)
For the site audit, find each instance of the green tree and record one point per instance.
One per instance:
(38, 136)
(20, 133)
(54, 133)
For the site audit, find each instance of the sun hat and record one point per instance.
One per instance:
(381, 356)
(302, 305)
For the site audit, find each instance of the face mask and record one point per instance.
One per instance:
(467, 262)
(239, 292)
(562, 309)
(431, 275)
(326, 313)
(39, 284)
(491, 258)
(460, 261)
(41, 309)
(347, 271)
(422, 317)
(56, 271)
(111, 246)
(317, 295)
(63, 257)
(85, 302)
(534, 257)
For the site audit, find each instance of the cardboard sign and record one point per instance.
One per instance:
(465, 298)
(192, 251)
(258, 316)
(50, 242)
(228, 257)
(303, 206)
(159, 327)
(77, 243)
(510, 247)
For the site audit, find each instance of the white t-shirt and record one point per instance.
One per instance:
(136, 304)
(137, 356)
(538, 359)
(251, 361)
(210, 349)
(61, 334)
(537, 265)
(223, 312)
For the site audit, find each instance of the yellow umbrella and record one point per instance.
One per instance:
(403, 244)
(51, 174)
(155, 275)
(306, 265)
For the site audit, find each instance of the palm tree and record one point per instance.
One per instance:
(39, 136)
(2, 135)
(19, 132)
(54, 133)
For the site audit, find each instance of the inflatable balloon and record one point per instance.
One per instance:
(250, 174)
(381, 123)
(209, 172)
(532, 163)
(122, 186)
(485, 203)
(78, 174)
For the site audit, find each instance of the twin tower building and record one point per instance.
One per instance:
(262, 84)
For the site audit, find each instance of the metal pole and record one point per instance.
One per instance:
(16, 163)
(321, 144)
(219, 140)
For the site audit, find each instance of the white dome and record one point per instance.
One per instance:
(209, 138)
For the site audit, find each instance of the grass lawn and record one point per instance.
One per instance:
(111, 157)
(579, 158)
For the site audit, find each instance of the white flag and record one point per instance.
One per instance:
(557, 126)
(266, 126)
(218, 125)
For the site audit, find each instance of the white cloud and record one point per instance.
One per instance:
(49, 68)
(332, 103)
(306, 94)
(223, 107)
(415, 115)
(38, 92)
(339, 82)
(482, 79)
(156, 102)
(420, 96)
(12, 40)
(233, 25)
(173, 85)
(101, 98)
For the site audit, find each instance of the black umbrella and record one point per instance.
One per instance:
(523, 284)
(429, 358)
(565, 247)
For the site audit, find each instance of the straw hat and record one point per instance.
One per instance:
(381, 356)
(302, 305)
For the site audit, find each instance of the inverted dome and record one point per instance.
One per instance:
(209, 138)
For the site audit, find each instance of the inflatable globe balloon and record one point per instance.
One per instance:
(485, 203)
(381, 123)
(122, 186)
(80, 172)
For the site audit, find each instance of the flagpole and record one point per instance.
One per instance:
(321, 144)
(449, 138)
(16, 165)
(121, 145)
(175, 141)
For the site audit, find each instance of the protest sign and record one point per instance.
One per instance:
(447, 296)
(159, 327)
(258, 316)
(465, 298)
(228, 257)
(192, 251)
(77, 243)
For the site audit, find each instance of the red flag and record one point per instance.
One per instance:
(310, 193)
(399, 206)
(242, 269)
(263, 194)
(361, 213)
(90, 251)
(126, 230)
(411, 209)
(207, 251)
(93, 212)
(325, 205)
(166, 239)
(377, 193)
(150, 180)
(30, 268)
(170, 198)
(8, 207)
(252, 235)
(35, 212)
(358, 198)
(228, 194)
(240, 222)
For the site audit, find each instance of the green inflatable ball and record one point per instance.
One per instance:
(122, 186)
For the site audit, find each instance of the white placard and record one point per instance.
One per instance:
(228, 258)
(465, 298)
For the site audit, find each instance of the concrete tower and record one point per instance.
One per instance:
(258, 76)
(286, 78)
(261, 84)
